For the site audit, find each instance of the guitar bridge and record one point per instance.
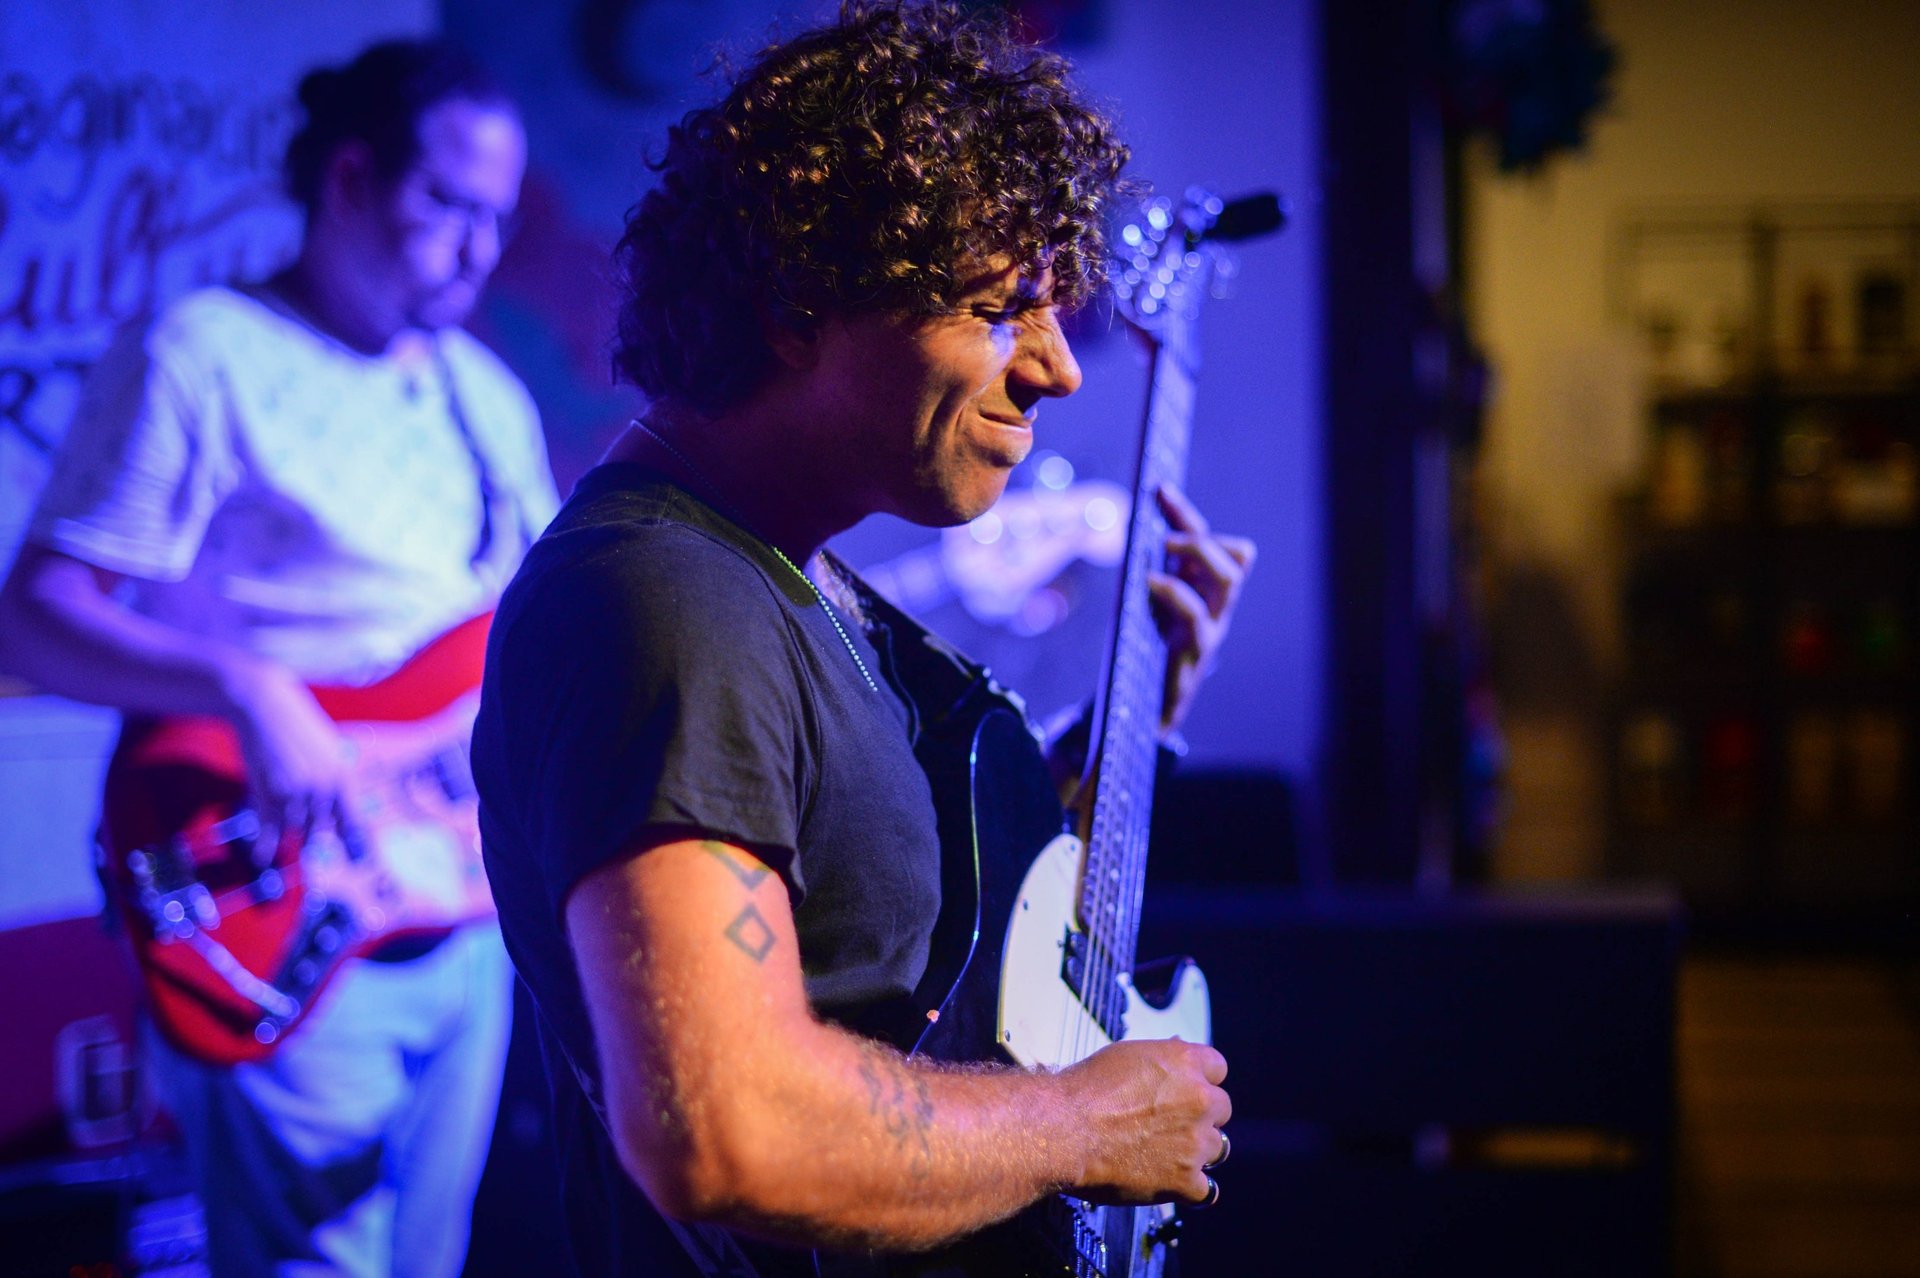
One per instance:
(167, 884)
(171, 896)
(1057, 1237)
(1105, 1001)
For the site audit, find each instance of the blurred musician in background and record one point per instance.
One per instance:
(300, 483)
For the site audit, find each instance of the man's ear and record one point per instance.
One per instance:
(793, 336)
(348, 183)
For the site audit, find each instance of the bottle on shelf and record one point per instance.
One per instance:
(1730, 767)
(1679, 496)
(1880, 316)
(1813, 340)
(1880, 638)
(1813, 767)
(1873, 466)
(1802, 491)
(1876, 757)
(1652, 769)
(1806, 639)
(1727, 465)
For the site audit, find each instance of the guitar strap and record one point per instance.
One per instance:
(940, 683)
(483, 473)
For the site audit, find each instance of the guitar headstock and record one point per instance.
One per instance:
(1166, 258)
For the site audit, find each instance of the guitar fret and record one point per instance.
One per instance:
(1113, 888)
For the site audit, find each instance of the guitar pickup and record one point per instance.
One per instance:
(178, 915)
(1105, 1001)
(176, 904)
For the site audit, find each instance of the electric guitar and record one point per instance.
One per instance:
(1033, 951)
(238, 927)
(999, 565)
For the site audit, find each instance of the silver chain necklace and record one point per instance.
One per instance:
(714, 493)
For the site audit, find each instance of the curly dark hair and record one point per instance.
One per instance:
(378, 99)
(860, 166)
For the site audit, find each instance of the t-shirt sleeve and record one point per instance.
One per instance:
(144, 465)
(629, 698)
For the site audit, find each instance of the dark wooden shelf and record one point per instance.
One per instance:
(1777, 570)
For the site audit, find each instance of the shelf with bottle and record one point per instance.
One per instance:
(1847, 768)
(1703, 462)
(1847, 459)
(1689, 767)
(1857, 642)
(1842, 459)
(1765, 723)
(1847, 316)
(1813, 659)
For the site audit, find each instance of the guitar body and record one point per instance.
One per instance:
(1009, 885)
(236, 928)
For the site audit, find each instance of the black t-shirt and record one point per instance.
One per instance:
(652, 665)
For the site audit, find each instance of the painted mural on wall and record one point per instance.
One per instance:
(121, 191)
(139, 158)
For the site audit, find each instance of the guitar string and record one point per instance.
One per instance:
(1120, 872)
(1111, 858)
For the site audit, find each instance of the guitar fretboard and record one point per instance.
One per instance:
(1126, 739)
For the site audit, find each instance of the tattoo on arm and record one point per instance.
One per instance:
(904, 1106)
(748, 931)
(750, 876)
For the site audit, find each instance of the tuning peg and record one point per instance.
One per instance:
(1226, 271)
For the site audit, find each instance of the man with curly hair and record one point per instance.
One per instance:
(706, 827)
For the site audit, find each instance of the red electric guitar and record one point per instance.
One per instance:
(237, 928)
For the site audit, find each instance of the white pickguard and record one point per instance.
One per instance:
(1042, 1023)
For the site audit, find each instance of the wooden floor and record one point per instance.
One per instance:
(1799, 1150)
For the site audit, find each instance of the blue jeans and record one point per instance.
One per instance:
(356, 1147)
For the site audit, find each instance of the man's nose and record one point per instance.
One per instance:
(1046, 362)
(480, 244)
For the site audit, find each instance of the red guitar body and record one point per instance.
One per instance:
(237, 929)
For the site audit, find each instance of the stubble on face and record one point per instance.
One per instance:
(453, 207)
(988, 363)
(924, 417)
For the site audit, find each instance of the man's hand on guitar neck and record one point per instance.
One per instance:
(1194, 599)
(62, 630)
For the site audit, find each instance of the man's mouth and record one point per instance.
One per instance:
(1014, 432)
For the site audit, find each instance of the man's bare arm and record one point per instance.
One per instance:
(731, 1103)
(62, 630)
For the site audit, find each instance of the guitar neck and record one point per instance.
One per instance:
(1127, 709)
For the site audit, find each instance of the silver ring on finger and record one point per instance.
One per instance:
(1226, 1151)
(1213, 1196)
